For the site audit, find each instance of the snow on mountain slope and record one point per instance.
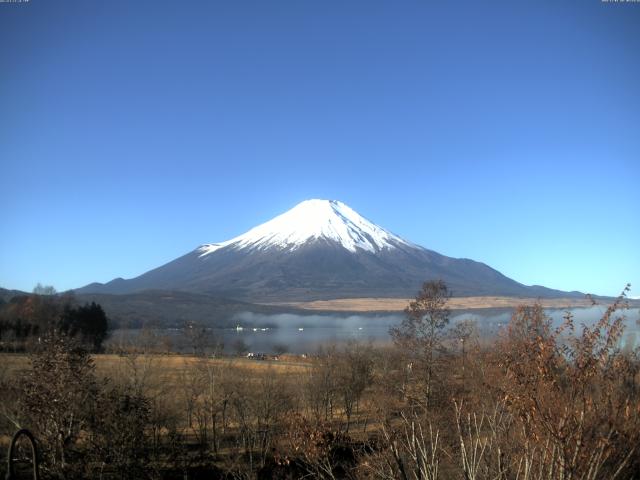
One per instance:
(313, 220)
(318, 250)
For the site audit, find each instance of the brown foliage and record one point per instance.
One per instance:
(571, 393)
(542, 402)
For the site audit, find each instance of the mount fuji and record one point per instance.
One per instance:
(318, 250)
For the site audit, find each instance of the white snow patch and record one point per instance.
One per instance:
(210, 248)
(312, 220)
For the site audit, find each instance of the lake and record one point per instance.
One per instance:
(306, 333)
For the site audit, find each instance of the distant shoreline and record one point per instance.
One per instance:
(455, 303)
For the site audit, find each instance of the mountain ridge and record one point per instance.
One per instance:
(319, 249)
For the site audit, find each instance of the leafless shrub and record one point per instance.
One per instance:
(316, 448)
(58, 401)
(568, 395)
(411, 450)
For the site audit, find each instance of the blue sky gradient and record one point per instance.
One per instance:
(507, 132)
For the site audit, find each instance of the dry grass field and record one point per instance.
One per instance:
(456, 303)
(171, 366)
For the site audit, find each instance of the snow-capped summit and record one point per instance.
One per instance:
(313, 220)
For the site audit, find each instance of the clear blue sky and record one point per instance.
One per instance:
(503, 131)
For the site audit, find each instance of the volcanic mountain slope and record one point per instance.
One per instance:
(153, 308)
(320, 249)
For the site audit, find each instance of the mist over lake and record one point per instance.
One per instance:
(266, 333)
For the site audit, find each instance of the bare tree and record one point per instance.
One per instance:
(321, 385)
(280, 348)
(421, 332)
(40, 289)
(461, 333)
(240, 346)
(354, 374)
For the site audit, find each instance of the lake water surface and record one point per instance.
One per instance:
(307, 333)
